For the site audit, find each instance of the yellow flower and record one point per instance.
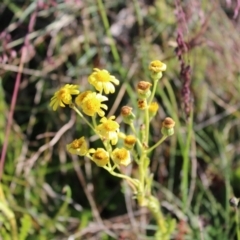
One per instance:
(108, 129)
(152, 109)
(91, 103)
(121, 156)
(78, 146)
(100, 156)
(64, 96)
(129, 141)
(102, 80)
(157, 66)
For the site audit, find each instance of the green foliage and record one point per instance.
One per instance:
(26, 225)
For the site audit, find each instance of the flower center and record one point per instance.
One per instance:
(76, 144)
(111, 126)
(93, 104)
(102, 76)
(121, 154)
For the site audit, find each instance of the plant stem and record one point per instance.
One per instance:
(157, 144)
(237, 223)
(81, 116)
(9, 215)
(107, 28)
(186, 160)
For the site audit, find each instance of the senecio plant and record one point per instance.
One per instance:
(113, 156)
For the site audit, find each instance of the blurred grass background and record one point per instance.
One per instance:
(57, 196)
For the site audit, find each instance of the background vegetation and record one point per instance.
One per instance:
(57, 196)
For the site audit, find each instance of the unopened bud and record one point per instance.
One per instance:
(127, 114)
(129, 141)
(168, 127)
(143, 89)
(142, 104)
(157, 67)
(234, 202)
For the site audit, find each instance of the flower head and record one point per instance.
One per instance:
(143, 89)
(129, 141)
(168, 126)
(121, 156)
(64, 96)
(152, 109)
(157, 66)
(142, 104)
(78, 146)
(100, 156)
(127, 114)
(108, 129)
(91, 103)
(103, 81)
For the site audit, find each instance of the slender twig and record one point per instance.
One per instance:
(12, 107)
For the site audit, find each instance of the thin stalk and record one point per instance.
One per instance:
(186, 161)
(107, 29)
(11, 219)
(131, 180)
(237, 223)
(157, 144)
(155, 83)
(81, 116)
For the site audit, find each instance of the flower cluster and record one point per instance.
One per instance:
(93, 103)
(110, 156)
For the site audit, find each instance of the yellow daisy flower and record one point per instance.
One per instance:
(100, 156)
(63, 96)
(157, 66)
(78, 146)
(91, 103)
(129, 141)
(108, 129)
(121, 156)
(103, 81)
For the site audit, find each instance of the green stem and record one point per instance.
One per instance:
(135, 133)
(237, 224)
(147, 126)
(11, 218)
(186, 161)
(154, 207)
(135, 182)
(81, 116)
(107, 28)
(155, 82)
(157, 144)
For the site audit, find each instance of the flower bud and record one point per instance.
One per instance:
(168, 127)
(152, 109)
(157, 67)
(129, 142)
(143, 89)
(127, 114)
(142, 104)
(234, 202)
